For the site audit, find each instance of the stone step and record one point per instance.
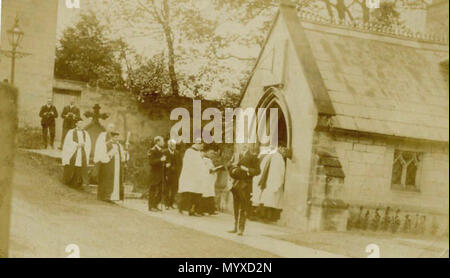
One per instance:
(129, 194)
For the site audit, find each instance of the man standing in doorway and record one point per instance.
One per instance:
(245, 167)
(48, 115)
(70, 114)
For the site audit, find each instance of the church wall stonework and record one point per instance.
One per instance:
(34, 73)
(317, 197)
(122, 109)
(367, 163)
(283, 68)
(8, 121)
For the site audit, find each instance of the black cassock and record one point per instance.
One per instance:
(75, 172)
(109, 157)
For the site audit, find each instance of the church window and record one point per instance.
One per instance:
(405, 170)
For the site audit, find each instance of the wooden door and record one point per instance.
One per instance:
(62, 98)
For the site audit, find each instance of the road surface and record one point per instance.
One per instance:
(47, 217)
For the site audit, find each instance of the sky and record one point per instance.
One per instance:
(151, 45)
(0, 19)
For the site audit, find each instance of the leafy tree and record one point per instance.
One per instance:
(86, 54)
(202, 49)
(386, 15)
(357, 10)
(149, 77)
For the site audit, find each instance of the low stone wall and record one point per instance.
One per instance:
(142, 120)
(8, 122)
(373, 202)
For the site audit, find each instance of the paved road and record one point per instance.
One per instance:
(48, 216)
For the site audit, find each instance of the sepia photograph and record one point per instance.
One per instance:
(235, 130)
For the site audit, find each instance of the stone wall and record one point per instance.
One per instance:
(34, 73)
(279, 65)
(122, 108)
(142, 120)
(8, 121)
(367, 164)
(437, 17)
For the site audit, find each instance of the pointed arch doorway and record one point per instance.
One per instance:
(268, 206)
(273, 98)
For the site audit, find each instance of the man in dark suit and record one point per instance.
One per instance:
(242, 171)
(70, 114)
(171, 173)
(157, 162)
(48, 115)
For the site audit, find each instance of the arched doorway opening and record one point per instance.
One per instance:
(267, 200)
(273, 98)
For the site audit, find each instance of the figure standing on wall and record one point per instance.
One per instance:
(70, 114)
(395, 221)
(376, 220)
(386, 219)
(423, 220)
(407, 224)
(48, 115)
(359, 219)
(366, 219)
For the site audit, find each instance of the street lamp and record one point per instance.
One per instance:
(15, 36)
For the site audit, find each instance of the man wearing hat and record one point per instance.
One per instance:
(70, 114)
(75, 155)
(109, 156)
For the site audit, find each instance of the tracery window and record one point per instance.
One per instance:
(405, 170)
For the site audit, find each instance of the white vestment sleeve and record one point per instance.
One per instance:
(69, 148)
(100, 153)
(87, 146)
(276, 175)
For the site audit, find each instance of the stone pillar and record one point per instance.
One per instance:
(8, 122)
(326, 210)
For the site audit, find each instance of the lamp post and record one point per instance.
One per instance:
(15, 36)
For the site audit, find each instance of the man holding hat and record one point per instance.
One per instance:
(70, 115)
(157, 160)
(48, 114)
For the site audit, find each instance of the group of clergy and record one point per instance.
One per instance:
(197, 181)
(109, 156)
(257, 175)
(192, 177)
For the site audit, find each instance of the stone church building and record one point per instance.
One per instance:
(34, 72)
(42, 22)
(364, 111)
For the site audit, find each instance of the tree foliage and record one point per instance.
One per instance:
(85, 53)
(198, 48)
